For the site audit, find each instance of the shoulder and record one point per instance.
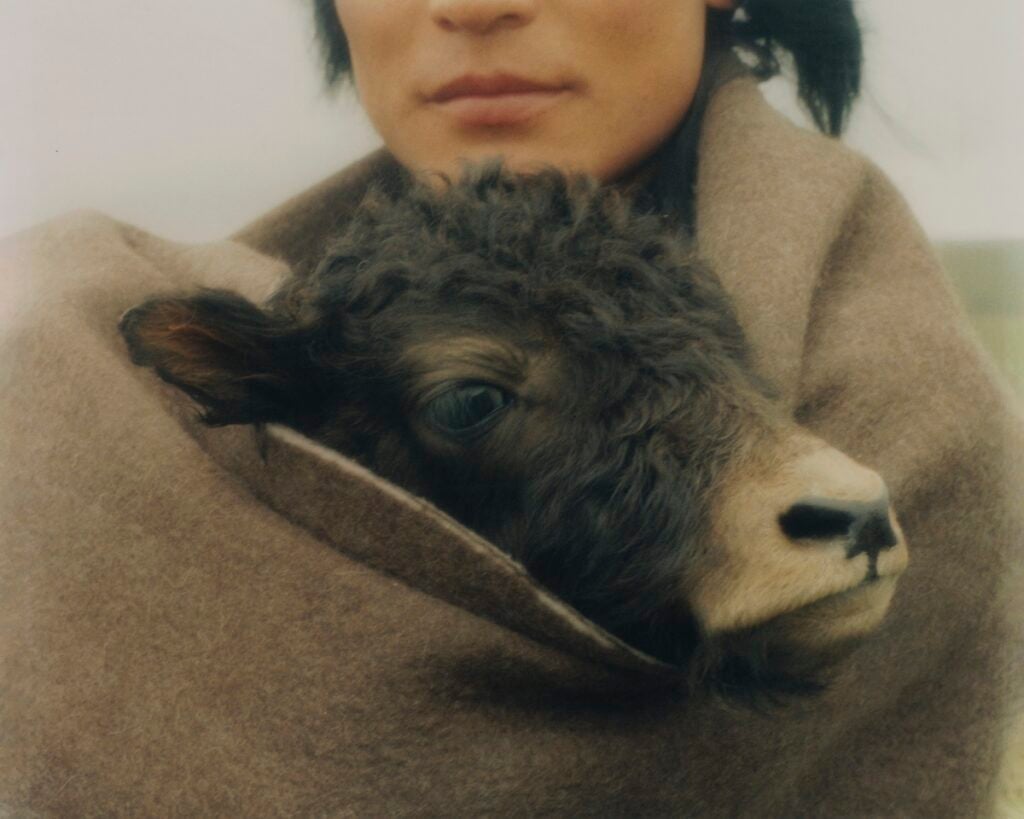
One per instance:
(64, 286)
(88, 263)
(68, 384)
(751, 152)
(48, 266)
(776, 204)
(832, 276)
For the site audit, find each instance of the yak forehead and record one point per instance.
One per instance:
(564, 338)
(521, 276)
(499, 248)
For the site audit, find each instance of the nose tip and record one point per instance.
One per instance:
(865, 526)
(481, 16)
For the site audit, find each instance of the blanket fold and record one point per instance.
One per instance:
(384, 527)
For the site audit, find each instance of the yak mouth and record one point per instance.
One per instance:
(842, 618)
(799, 651)
(872, 594)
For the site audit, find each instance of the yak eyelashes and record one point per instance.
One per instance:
(468, 410)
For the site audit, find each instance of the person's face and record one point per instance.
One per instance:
(584, 85)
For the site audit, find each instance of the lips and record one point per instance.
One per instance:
(497, 99)
(476, 85)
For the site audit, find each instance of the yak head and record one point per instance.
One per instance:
(558, 372)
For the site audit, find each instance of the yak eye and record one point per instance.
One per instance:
(468, 409)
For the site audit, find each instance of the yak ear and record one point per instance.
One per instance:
(241, 363)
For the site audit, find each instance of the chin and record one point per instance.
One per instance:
(523, 152)
(796, 653)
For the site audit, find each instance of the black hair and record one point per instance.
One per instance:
(822, 37)
(332, 42)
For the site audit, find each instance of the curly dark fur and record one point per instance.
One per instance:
(600, 481)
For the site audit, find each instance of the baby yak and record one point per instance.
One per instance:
(556, 370)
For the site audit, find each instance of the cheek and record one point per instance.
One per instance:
(645, 60)
(653, 51)
(379, 46)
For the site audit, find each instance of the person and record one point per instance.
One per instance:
(197, 622)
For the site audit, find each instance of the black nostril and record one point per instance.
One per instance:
(817, 520)
(865, 525)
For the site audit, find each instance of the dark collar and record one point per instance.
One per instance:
(672, 184)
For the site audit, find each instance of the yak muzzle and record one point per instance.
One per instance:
(801, 533)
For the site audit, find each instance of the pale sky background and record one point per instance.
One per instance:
(191, 117)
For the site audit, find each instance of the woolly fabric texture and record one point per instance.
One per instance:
(187, 628)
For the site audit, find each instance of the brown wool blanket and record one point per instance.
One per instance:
(188, 628)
